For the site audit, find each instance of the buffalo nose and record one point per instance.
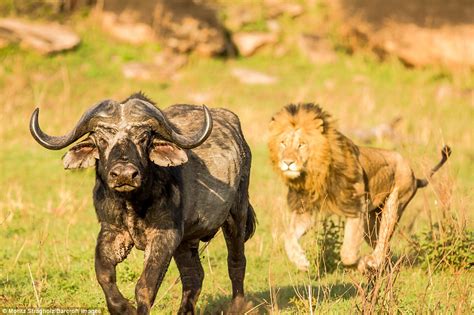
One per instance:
(124, 172)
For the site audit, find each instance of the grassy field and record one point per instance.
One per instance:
(48, 225)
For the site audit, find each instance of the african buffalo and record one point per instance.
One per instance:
(165, 180)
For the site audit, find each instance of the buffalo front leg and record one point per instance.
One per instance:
(353, 238)
(113, 246)
(161, 244)
(388, 222)
(299, 225)
(192, 275)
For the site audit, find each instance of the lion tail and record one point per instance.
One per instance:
(445, 153)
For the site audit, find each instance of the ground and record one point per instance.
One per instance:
(48, 225)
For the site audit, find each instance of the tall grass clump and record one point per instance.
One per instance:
(445, 247)
(447, 243)
(324, 250)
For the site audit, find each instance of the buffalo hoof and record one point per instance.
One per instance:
(187, 309)
(123, 309)
(239, 306)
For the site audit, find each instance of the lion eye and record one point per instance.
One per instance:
(282, 145)
(301, 145)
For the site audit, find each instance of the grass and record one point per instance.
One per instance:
(48, 224)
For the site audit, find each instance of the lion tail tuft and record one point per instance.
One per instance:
(445, 153)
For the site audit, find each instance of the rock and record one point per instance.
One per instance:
(46, 38)
(186, 25)
(318, 49)
(138, 70)
(443, 93)
(200, 98)
(252, 77)
(360, 79)
(275, 8)
(273, 26)
(124, 28)
(240, 16)
(3, 42)
(249, 42)
(170, 61)
(164, 67)
(280, 50)
(180, 25)
(447, 93)
(379, 132)
(418, 33)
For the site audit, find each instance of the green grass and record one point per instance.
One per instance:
(48, 224)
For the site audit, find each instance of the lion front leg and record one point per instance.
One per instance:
(299, 224)
(388, 222)
(353, 238)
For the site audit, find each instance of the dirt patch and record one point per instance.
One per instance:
(420, 33)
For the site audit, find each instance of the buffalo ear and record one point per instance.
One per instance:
(82, 155)
(164, 153)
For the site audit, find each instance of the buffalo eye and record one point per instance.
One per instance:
(101, 141)
(143, 138)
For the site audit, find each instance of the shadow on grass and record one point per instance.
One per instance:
(285, 297)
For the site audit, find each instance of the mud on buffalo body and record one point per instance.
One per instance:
(165, 180)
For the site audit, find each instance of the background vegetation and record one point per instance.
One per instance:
(48, 225)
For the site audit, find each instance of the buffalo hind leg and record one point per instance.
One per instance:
(192, 275)
(234, 234)
(113, 246)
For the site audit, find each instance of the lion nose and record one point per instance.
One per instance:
(124, 173)
(288, 165)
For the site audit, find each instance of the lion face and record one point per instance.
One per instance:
(293, 153)
(298, 142)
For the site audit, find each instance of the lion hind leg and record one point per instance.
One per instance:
(388, 222)
(299, 225)
(353, 238)
(372, 224)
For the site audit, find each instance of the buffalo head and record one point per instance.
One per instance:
(124, 138)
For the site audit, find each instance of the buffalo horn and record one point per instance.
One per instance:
(56, 143)
(185, 142)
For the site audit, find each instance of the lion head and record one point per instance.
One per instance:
(300, 141)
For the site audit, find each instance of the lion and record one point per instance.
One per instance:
(325, 170)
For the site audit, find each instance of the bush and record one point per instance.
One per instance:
(445, 247)
(326, 244)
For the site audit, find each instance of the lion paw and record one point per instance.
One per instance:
(301, 262)
(296, 255)
(368, 265)
(299, 259)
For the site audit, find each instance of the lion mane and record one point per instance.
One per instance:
(332, 172)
